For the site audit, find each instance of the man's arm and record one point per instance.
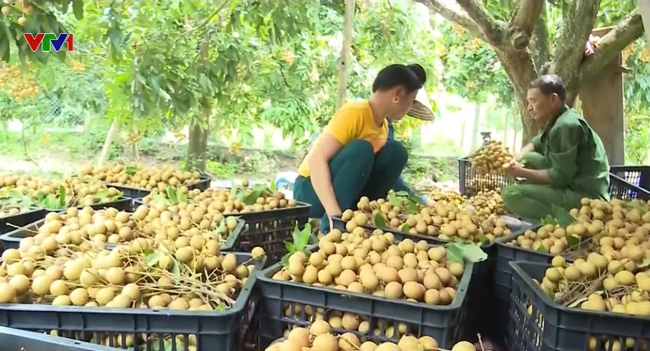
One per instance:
(563, 153)
(534, 145)
(537, 175)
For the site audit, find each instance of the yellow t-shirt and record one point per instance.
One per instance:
(353, 121)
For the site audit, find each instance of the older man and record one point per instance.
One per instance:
(563, 164)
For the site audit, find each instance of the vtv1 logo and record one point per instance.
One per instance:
(48, 41)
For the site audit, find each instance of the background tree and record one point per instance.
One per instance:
(522, 36)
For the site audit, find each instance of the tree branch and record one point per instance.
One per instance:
(524, 21)
(454, 16)
(492, 29)
(578, 24)
(612, 44)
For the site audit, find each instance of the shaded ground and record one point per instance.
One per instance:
(60, 156)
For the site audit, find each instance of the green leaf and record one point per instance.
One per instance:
(291, 248)
(379, 221)
(412, 207)
(161, 199)
(471, 252)
(273, 187)
(171, 194)
(181, 197)
(285, 259)
(645, 263)
(402, 193)
(78, 9)
(222, 226)
(404, 228)
(393, 200)
(295, 235)
(62, 200)
(176, 268)
(39, 195)
(131, 170)
(483, 239)
(102, 194)
(165, 248)
(51, 202)
(233, 190)
(303, 238)
(642, 207)
(548, 220)
(562, 216)
(454, 254)
(5, 47)
(152, 259)
(572, 241)
(550, 294)
(541, 248)
(253, 196)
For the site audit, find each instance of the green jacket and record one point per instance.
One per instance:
(575, 155)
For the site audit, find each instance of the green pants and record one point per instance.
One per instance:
(356, 171)
(532, 202)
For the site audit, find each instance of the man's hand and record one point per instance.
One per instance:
(518, 157)
(515, 171)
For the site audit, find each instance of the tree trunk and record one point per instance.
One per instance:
(475, 128)
(506, 127)
(198, 139)
(520, 69)
(539, 49)
(462, 135)
(112, 132)
(345, 52)
(510, 41)
(513, 111)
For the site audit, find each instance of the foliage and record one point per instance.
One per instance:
(154, 64)
(637, 100)
(299, 243)
(472, 69)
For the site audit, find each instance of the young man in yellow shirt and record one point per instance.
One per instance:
(352, 157)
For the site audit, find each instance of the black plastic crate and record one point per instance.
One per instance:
(139, 193)
(14, 224)
(214, 330)
(339, 223)
(11, 240)
(20, 340)
(507, 253)
(271, 229)
(622, 190)
(480, 294)
(538, 323)
(443, 323)
(480, 269)
(503, 278)
(470, 183)
(9, 224)
(635, 175)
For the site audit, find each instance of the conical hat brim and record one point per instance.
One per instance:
(421, 108)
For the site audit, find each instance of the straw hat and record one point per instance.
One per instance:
(421, 107)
